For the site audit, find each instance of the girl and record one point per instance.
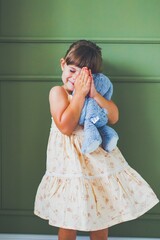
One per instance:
(85, 192)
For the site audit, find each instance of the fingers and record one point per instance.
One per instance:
(86, 79)
(83, 81)
(85, 74)
(90, 73)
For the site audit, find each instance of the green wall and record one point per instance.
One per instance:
(34, 35)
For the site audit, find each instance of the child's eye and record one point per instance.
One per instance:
(72, 71)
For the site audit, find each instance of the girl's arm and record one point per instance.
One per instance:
(66, 113)
(110, 106)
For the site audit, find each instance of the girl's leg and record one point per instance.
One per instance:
(99, 235)
(67, 234)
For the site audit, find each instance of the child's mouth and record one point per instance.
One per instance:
(72, 82)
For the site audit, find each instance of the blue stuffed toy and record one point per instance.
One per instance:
(94, 119)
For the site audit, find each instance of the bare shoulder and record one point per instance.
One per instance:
(58, 100)
(57, 92)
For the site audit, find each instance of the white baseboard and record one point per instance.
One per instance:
(50, 237)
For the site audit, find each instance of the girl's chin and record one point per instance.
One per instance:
(70, 86)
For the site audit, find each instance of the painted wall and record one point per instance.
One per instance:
(34, 35)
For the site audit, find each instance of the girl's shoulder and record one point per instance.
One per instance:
(58, 94)
(57, 91)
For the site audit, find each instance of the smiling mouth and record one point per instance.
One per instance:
(71, 82)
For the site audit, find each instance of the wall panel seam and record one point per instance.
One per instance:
(53, 40)
(14, 236)
(49, 78)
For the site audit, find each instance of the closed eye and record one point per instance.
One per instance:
(72, 71)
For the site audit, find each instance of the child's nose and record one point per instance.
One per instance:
(75, 75)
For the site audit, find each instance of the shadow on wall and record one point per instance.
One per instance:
(138, 125)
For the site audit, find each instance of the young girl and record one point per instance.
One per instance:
(85, 192)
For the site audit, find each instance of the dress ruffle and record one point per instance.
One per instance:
(89, 192)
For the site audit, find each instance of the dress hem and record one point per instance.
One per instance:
(117, 220)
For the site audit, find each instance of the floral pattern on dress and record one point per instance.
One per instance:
(89, 192)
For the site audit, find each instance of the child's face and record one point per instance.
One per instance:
(69, 74)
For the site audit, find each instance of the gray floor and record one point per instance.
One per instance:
(49, 237)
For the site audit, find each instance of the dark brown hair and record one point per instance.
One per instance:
(84, 53)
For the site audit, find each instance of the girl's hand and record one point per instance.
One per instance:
(93, 92)
(83, 82)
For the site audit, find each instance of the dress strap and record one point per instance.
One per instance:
(69, 97)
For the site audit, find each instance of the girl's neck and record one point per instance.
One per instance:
(67, 91)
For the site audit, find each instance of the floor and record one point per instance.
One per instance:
(49, 237)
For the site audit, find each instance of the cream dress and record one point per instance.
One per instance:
(89, 192)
